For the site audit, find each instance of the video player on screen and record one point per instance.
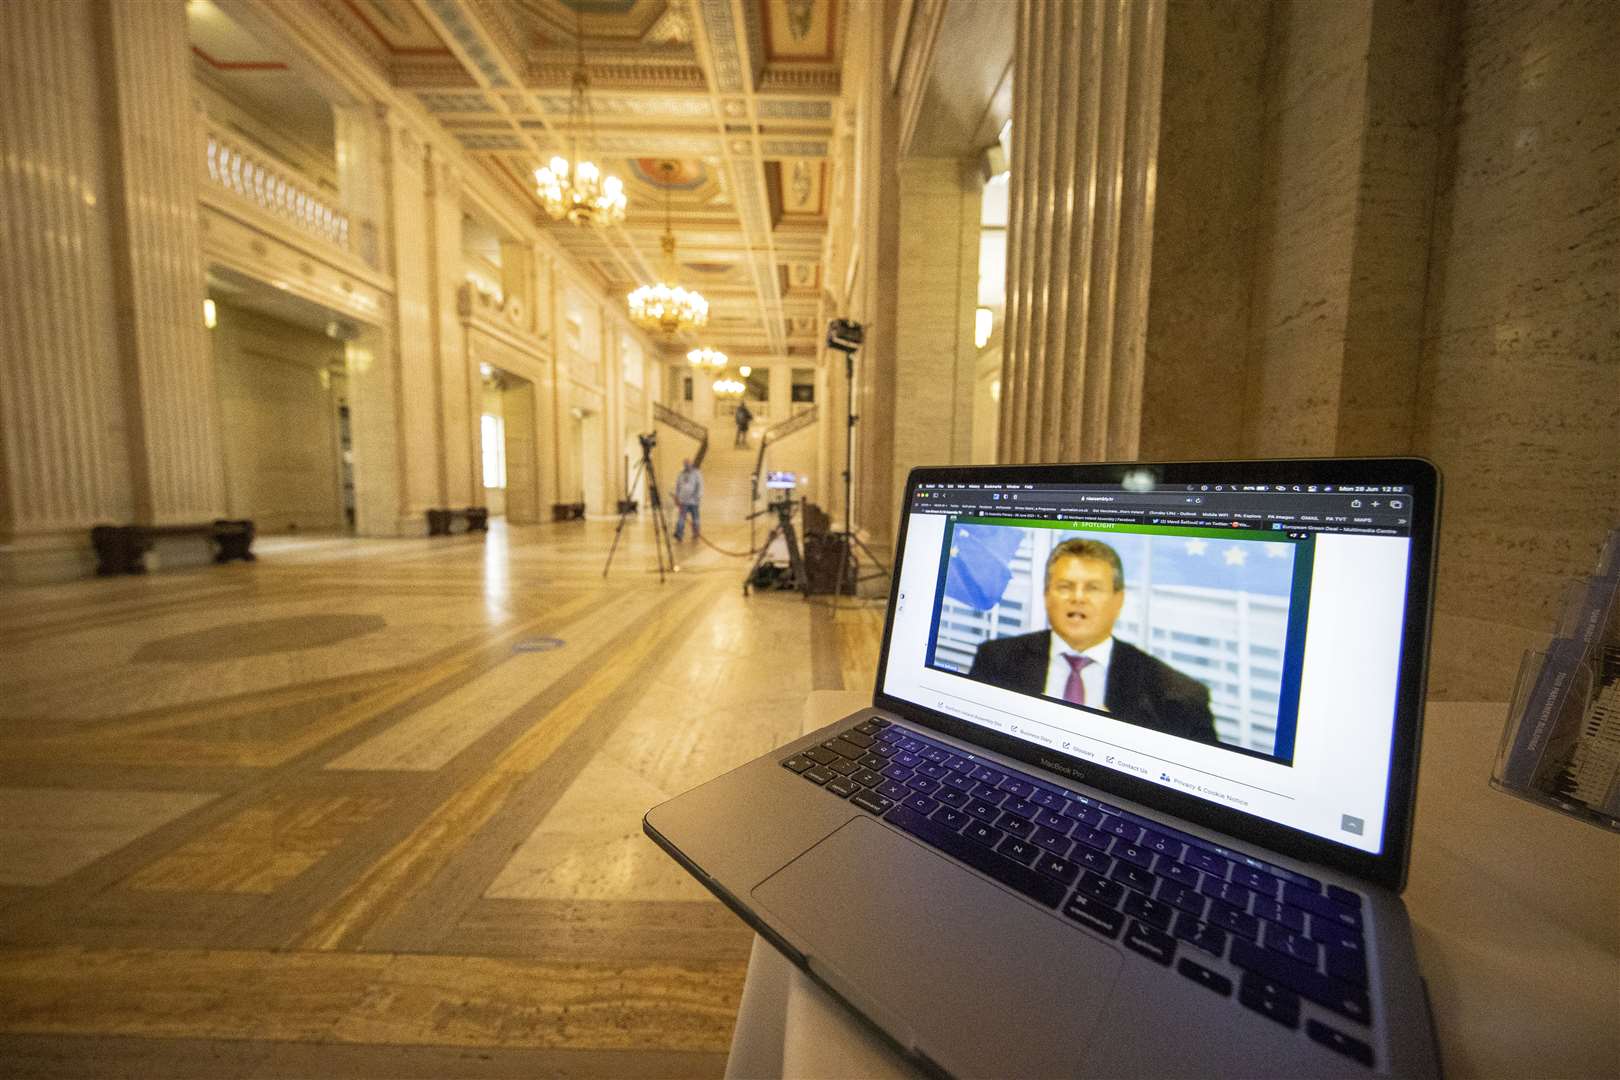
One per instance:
(1079, 661)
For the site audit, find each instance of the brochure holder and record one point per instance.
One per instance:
(1561, 745)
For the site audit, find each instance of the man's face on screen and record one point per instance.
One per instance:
(1081, 601)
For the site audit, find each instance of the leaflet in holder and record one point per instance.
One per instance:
(1561, 745)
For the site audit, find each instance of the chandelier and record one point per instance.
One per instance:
(572, 187)
(729, 388)
(707, 360)
(665, 307)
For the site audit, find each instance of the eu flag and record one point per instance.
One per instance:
(981, 564)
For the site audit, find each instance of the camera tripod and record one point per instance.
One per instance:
(797, 577)
(663, 549)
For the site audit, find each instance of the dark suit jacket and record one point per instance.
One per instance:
(1141, 689)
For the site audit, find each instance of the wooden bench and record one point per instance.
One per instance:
(121, 549)
(439, 522)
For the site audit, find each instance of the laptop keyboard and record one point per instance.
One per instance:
(1264, 935)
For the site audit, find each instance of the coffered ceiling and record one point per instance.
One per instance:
(741, 95)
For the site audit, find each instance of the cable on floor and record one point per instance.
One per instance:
(723, 551)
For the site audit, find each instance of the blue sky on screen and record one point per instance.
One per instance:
(979, 570)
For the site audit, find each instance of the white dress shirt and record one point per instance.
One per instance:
(1094, 676)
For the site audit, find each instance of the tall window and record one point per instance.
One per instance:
(494, 440)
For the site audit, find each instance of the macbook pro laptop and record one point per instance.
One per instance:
(1134, 795)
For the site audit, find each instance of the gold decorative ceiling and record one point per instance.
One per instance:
(741, 94)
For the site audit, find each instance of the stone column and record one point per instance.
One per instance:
(107, 408)
(458, 384)
(547, 448)
(62, 446)
(614, 430)
(781, 384)
(874, 301)
(934, 350)
(702, 397)
(1085, 139)
(375, 434)
(358, 133)
(415, 370)
(175, 458)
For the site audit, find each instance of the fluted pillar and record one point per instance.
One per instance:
(176, 460)
(107, 405)
(1085, 138)
(459, 389)
(65, 464)
(405, 173)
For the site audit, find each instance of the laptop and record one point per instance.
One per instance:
(1134, 795)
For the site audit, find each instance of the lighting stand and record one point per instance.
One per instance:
(753, 488)
(848, 531)
(663, 548)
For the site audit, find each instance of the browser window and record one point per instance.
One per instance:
(1239, 643)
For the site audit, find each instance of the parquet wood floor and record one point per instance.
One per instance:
(348, 811)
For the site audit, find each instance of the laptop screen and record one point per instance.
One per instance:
(1235, 642)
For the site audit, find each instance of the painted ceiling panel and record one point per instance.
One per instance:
(741, 94)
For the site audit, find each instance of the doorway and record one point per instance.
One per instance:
(590, 462)
(522, 466)
(286, 413)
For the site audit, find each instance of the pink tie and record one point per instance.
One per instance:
(1075, 690)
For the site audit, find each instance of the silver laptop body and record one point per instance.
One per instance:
(1135, 793)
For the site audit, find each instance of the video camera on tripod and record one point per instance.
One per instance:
(764, 573)
(663, 549)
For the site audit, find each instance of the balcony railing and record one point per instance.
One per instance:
(272, 190)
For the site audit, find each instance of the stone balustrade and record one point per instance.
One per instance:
(272, 189)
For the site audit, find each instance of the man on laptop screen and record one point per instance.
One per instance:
(1193, 632)
(1079, 660)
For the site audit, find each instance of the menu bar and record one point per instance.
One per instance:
(1378, 512)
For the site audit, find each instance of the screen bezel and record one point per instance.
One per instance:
(1388, 867)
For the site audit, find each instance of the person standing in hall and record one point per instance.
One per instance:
(744, 418)
(688, 494)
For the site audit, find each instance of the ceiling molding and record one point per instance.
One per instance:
(699, 80)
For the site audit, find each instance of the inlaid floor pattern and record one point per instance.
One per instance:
(373, 808)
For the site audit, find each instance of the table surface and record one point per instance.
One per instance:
(1515, 910)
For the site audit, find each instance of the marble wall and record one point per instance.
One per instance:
(1205, 228)
(1520, 395)
(1411, 42)
(1315, 111)
(1381, 227)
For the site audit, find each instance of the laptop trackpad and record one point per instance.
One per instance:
(949, 962)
